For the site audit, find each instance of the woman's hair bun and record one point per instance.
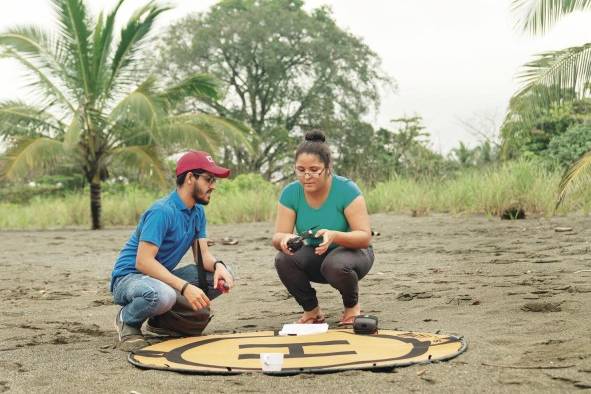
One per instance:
(315, 136)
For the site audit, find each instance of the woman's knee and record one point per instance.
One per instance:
(283, 262)
(345, 263)
(334, 269)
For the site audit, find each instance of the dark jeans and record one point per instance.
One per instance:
(340, 267)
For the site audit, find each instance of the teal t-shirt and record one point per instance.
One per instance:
(330, 216)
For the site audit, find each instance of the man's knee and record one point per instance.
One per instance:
(161, 298)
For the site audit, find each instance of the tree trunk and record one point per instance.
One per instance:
(95, 204)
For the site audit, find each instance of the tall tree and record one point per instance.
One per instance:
(557, 71)
(284, 70)
(378, 155)
(531, 123)
(97, 104)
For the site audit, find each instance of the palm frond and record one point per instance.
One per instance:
(31, 41)
(232, 132)
(18, 119)
(38, 52)
(141, 106)
(30, 155)
(48, 88)
(73, 132)
(144, 159)
(558, 72)
(132, 37)
(74, 22)
(577, 176)
(197, 86)
(103, 39)
(538, 16)
(188, 131)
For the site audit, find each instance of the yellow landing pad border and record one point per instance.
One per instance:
(335, 350)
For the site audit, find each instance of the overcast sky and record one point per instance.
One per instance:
(455, 62)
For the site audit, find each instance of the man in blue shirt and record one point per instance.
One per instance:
(144, 278)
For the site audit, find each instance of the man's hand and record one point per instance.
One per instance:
(196, 297)
(221, 273)
(328, 237)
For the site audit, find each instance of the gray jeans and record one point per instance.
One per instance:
(143, 296)
(340, 267)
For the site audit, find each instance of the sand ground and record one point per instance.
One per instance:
(514, 289)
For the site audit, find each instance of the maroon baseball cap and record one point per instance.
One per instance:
(198, 160)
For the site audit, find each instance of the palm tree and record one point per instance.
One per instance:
(554, 73)
(464, 155)
(97, 104)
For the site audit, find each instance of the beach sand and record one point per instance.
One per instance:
(514, 289)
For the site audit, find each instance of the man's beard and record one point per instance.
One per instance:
(195, 195)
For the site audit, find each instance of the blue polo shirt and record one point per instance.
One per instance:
(168, 224)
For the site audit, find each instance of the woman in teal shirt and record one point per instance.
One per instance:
(333, 207)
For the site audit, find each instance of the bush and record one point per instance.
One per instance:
(565, 149)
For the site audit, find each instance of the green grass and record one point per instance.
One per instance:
(249, 198)
(246, 199)
(478, 191)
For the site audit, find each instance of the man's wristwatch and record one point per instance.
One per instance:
(218, 262)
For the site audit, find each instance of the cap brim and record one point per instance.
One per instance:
(219, 172)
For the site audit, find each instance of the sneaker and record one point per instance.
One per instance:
(130, 338)
(152, 327)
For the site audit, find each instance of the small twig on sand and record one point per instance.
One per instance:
(529, 367)
(576, 272)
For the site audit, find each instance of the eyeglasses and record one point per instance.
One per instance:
(311, 174)
(210, 179)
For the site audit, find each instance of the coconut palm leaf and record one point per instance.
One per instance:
(577, 176)
(42, 65)
(32, 155)
(233, 132)
(141, 106)
(36, 44)
(73, 132)
(103, 40)
(538, 16)
(557, 72)
(132, 37)
(188, 131)
(74, 22)
(42, 85)
(198, 86)
(145, 159)
(20, 119)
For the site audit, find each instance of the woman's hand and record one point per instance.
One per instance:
(196, 297)
(283, 244)
(328, 237)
